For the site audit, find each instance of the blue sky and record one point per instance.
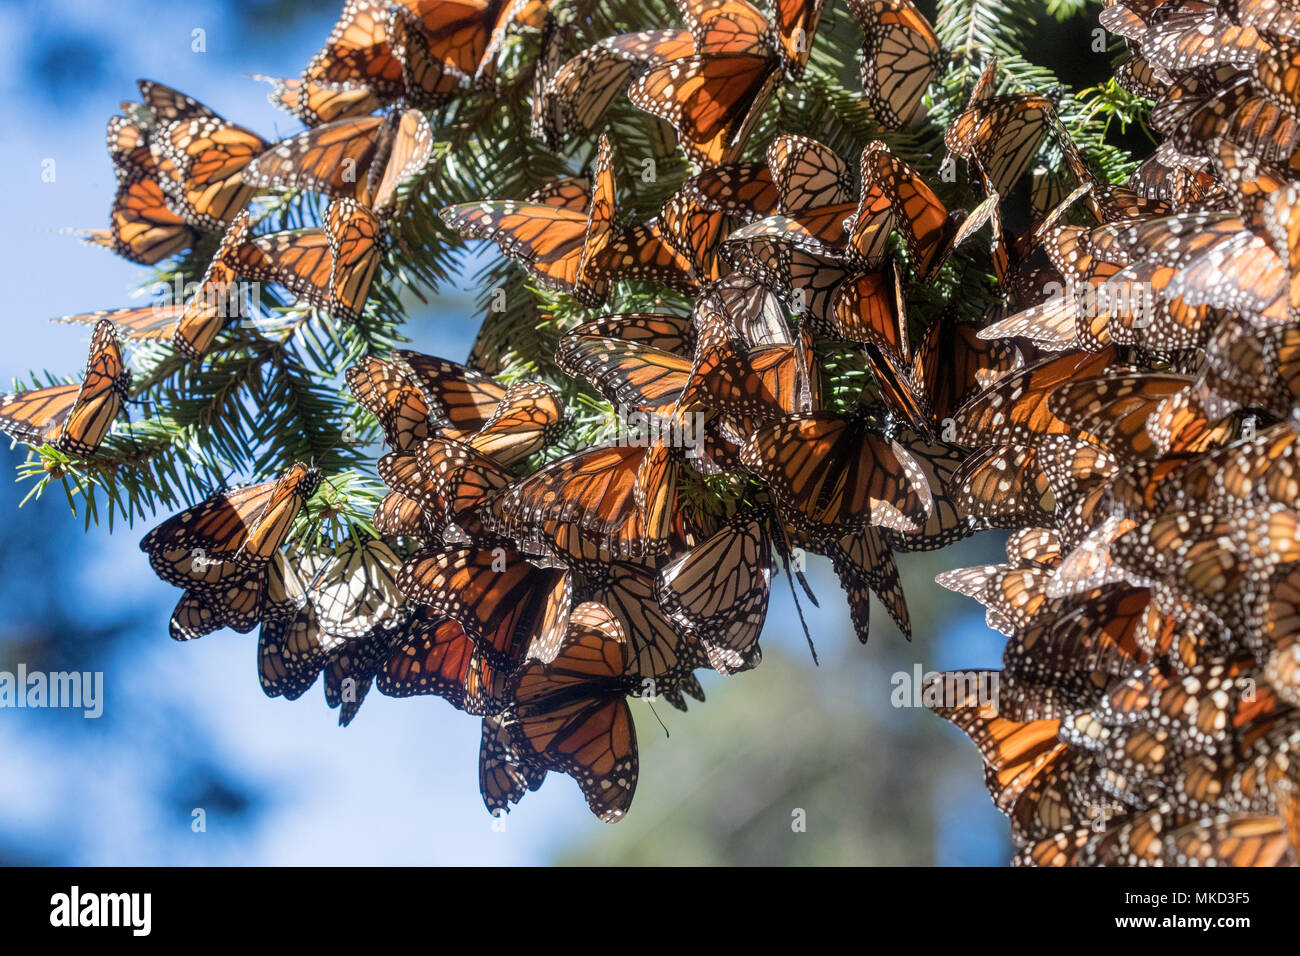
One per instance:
(400, 785)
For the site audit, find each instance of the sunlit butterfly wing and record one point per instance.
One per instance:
(571, 716)
(74, 418)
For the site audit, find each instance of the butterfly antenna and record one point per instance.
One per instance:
(798, 608)
(786, 549)
(661, 723)
(785, 562)
(130, 434)
(318, 460)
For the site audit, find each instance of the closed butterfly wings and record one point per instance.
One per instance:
(901, 56)
(330, 268)
(714, 98)
(365, 158)
(142, 226)
(559, 246)
(75, 417)
(570, 715)
(220, 551)
(200, 157)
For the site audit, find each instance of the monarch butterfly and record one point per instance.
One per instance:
(141, 323)
(529, 418)
(582, 89)
(869, 309)
(657, 330)
(358, 51)
(864, 564)
(236, 605)
(1229, 840)
(1217, 562)
(547, 118)
(832, 474)
(622, 497)
(74, 418)
(747, 387)
(417, 502)
(1001, 134)
(357, 613)
(392, 397)
(435, 656)
(1003, 486)
(349, 672)
(784, 258)
(355, 591)
(1017, 754)
(462, 399)
(447, 479)
(741, 307)
(1282, 660)
(396, 515)
(128, 147)
(718, 590)
(509, 607)
(644, 252)
(694, 232)
(221, 552)
(365, 159)
(504, 774)
(1015, 410)
(1100, 634)
(219, 297)
(507, 424)
(796, 25)
(745, 191)
(289, 655)
(939, 462)
(570, 715)
(930, 233)
(807, 174)
(355, 236)
(1114, 410)
(316, 104)
(142, 227)
(630, 375)
(714, 98)
(200, 157)
(330, 268)
(1202, 39)
(902, 56)
(229, 533)
(568, 192)
(559, 246)
(1205, 707)
(955, 362)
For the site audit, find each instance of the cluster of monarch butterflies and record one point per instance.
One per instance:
(1128, 412)
(1148, 707)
